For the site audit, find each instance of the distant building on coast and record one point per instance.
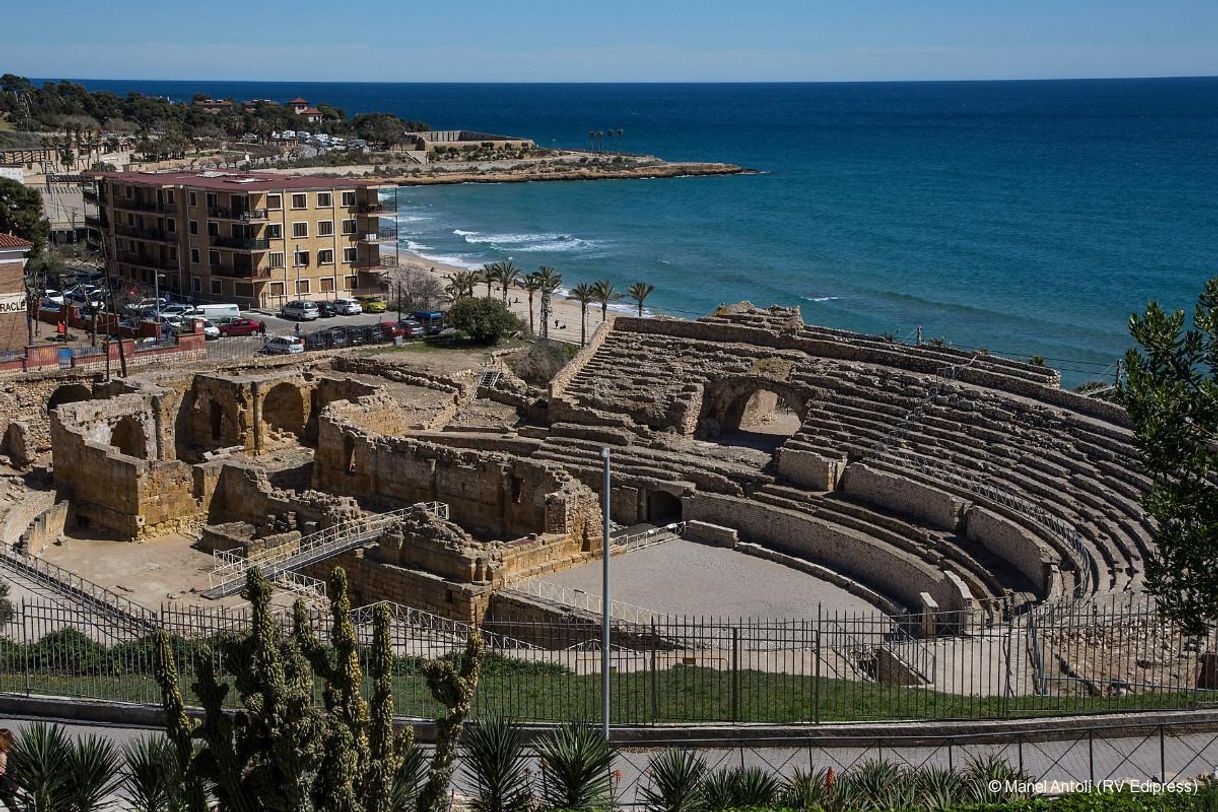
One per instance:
(430, 140)
(214, 106)
(304, 110)
(14, 251)
(253, 238)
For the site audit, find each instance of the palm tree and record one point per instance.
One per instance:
(619, 138)
(604, 292)
(531, 285)
(591, 139)
(488, 274)
(461, 284)
(549, 280)
(585, 294)
(509, 275)
(638, 292)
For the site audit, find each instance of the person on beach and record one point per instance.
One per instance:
(8, 785)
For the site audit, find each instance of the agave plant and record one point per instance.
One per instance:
(983, 773)
(676, 782)
(575, 764)
(756, 787)
(59, 774)
(876, 784)
(40, 757)
(718, 790)
(808, 790)
(939, 788)
(151, 780)
(409, 779)
(495, 761)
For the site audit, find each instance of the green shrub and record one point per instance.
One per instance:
(676, 782)
(484, 320)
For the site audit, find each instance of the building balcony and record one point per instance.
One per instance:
(135, 204)
(145, 261)
(375, 263)
(240, 215)
(241, 244)
(90, 195)
(376, 209)
(375, 237)
(149, 234)
(231, 272)
(98, 222)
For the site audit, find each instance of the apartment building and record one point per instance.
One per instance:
(253, 238)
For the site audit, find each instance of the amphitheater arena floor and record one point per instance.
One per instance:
(685, 578)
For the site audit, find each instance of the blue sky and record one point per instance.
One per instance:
(616, 41)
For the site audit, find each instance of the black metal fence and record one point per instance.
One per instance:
(1070, 659)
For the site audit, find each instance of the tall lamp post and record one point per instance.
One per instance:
(156, 287)
(605, 599)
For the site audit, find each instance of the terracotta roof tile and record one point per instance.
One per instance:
(12, 241)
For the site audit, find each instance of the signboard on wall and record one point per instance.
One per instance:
(12, 303)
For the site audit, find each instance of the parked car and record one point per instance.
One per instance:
(240, 327)
(283, 345)
(51, 306)
(333, 338)
(348, 307)
(144, 305)
(372, 304)
(55, 296)
(210, 331)
(175, 309)
(327, 310)
(301, 310)
(432, 320)
(393, 329)
(215, 312)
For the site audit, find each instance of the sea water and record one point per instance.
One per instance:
(1022, 217)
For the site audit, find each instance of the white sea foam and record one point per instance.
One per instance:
(540, 243)
(820, 298)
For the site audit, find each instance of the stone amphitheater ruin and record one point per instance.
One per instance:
(955, 487)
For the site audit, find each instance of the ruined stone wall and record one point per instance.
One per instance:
(809, 469)
(883, 569)
(1014, 544)
(244, 493)
(904, 496)
(559, 382)
(26, 400)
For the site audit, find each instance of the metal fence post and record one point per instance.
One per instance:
(655, 677)
(1162, 756)
(735, 674)
(816, 666)
(1091, 755)
(25, 648)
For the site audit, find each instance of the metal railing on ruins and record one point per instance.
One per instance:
(887, 447)
(228, 573)
(643, 539)
(93, 597)
(570, 597)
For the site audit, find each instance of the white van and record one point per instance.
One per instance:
(214, 312)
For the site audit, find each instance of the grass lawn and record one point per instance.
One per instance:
(680, 694)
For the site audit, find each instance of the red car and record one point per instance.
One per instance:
(242, 327)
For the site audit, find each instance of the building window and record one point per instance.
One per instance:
(274, 231)
(196, 284)
(169, 197)
(349, 282)
(300, 229)
(277, 288)
(324, 200)
(194, 227)
(194, 256)
(348, 256)
(130, 219)
(173, 253)
(300, 201)
(171, 224)
(301, 260)
(277, 259)
(213, 258)
(194, 201)
(213, 201)
(217, 287)
(348, 199)
(244, 290)
(348, 226)
(325, 228)
(213, 228)
(274, 202)
(302, 286)
(325, 257)
(326, 284)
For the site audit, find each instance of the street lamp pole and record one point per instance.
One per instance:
(605, 599)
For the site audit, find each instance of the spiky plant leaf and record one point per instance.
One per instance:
(983, 771)
(408, 780)
(93, 768)
(938, 788)
(495, 761)
(807, 790)
(575, 765)
(40, 758)
(718, 790)
(676, 782)
(753, 786)
(151, 779)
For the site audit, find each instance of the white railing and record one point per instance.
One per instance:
(585, 601)
(302, 585)
(648, 538)
(447, 629)
(228, 572)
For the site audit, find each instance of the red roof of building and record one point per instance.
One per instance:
(13, 241)
(298, 100)
(310, 111)
(235, 181)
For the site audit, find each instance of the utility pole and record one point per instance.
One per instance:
(605, 600)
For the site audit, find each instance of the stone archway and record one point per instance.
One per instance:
(755, 409)
(68, 393)
(283, 409)
(129, 438)
(663, 507)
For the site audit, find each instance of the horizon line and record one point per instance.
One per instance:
(644, 82)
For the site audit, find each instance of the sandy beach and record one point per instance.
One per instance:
(564, 311)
